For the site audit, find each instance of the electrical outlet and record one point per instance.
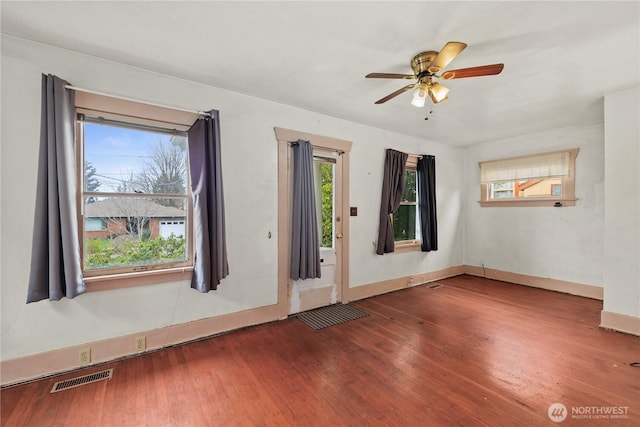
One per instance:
(410, 279)
(84, 356)
(141, 343)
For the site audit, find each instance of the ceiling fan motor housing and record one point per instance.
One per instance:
(421, 62)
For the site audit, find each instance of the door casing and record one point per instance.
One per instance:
(284, 138)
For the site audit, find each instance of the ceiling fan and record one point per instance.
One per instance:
(425, 66)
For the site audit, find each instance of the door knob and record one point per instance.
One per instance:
(339, 236)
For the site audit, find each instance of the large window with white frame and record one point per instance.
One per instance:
(544, 179)
(134, 193)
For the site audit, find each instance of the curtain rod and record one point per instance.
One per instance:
(419, 156)
(292, 143)
(79, 89)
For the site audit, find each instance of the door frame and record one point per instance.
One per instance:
(284, 138)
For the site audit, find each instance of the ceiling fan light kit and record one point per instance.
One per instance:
(420, 95)
(425, 66)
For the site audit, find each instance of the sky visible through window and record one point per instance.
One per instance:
(118, 153)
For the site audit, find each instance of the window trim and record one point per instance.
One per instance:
(412, 244)
(145, 115)
(568, 187)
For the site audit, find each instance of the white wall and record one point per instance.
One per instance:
(622, 203)
(559, 243)
(249, 159)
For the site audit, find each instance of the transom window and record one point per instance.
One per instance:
(546, 179)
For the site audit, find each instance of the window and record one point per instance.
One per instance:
(324, 176)
(134, 197)
(406, 227)
(545, 179)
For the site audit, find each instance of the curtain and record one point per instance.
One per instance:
(210, 263)
(305, 247)
(392, 189)
(426, 171)
(56, 270)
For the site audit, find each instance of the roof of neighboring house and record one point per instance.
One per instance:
(130, 207)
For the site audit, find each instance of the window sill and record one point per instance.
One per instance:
(143, 278)
(407, 246)
(548, 202)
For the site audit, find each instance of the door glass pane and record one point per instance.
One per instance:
(324, 171)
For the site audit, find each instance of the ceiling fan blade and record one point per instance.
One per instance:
(446, 55)
(394, 94)
(483, 70)
(389, 76)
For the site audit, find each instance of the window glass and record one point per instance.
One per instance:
(135, 198)
(405, 219)
(520, 189)
(324, 170)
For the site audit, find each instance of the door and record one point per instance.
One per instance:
(331, 158)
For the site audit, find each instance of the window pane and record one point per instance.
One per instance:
(124, 160)
(140, 231)
(410, 187)
(404, 223)
(551, 187)
(323, 180)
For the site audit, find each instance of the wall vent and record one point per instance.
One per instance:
(435, 286)
(85, 379)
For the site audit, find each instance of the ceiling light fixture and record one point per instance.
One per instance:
(438, 93)
(420, 95)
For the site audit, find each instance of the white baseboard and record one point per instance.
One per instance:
(379, 288)
(579, 289)
(36, 366)
(620, 322)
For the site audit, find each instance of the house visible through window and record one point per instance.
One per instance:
(545, 179)
(135, 198)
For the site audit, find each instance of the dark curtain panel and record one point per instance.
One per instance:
(56, 269)
(392, 189)
(427, 203)
(210, 263)
(305, 247)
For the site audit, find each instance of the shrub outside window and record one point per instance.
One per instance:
(546, 179)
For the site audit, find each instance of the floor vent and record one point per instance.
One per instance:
(435, 286)
(329, 316)
(85, 379)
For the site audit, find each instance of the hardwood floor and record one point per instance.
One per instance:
(473, 352)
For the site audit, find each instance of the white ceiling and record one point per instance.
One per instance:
(560, 57)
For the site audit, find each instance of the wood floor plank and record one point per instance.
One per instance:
(474, 352)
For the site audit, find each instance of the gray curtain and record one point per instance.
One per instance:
(210, 263)
(305, 247)
(392, 189)
(427, 203)
(56, 270)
